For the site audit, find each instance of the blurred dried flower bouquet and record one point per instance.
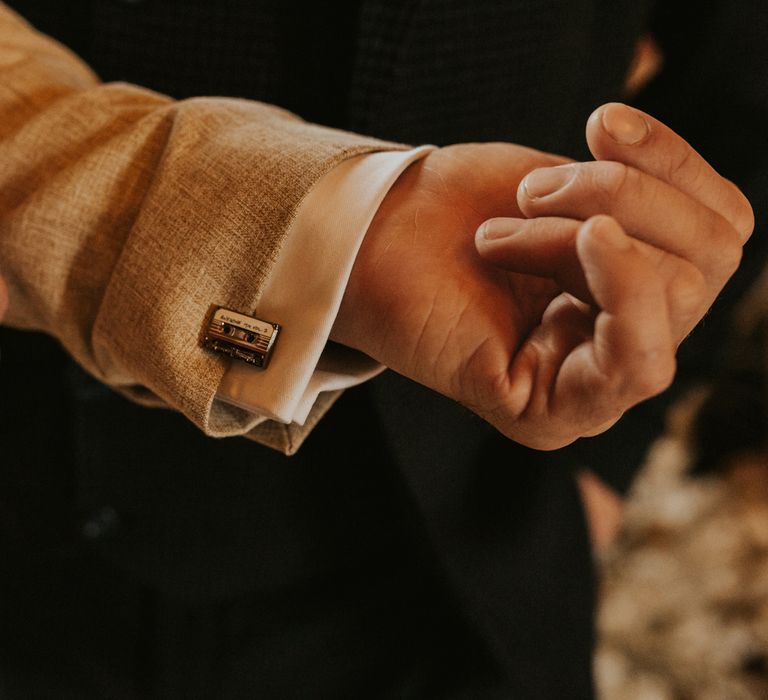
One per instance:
(684, 611)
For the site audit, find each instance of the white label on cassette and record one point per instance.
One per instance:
(241, 337)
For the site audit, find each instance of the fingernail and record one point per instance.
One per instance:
(546, 181)
(624, 124)
(494, 229)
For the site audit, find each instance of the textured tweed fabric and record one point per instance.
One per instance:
(114, 195)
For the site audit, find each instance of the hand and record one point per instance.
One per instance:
(682, 227)
(541, 365)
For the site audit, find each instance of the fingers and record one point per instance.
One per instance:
(632, 354)
(616, 132)
(546, 247)
(663, 233)
(543, 246)
(649, 209)
(580, 371)
(692, 223)
(662, 192)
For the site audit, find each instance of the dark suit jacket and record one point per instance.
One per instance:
(407, 550)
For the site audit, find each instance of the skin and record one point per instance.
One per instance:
(547, 315)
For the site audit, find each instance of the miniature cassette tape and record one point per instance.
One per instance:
(241, 337)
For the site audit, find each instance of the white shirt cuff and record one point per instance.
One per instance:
(304, 291)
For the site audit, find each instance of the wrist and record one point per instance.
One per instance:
(365, 300)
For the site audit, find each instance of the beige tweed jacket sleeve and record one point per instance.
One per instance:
(125, 216)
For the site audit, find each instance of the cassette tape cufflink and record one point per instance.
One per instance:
(241, 337)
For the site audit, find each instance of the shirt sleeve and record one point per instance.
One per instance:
(128, 215)
(304, 290)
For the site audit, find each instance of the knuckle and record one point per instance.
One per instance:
(730, 258)
(658, 375)
(652, 372)
(687, 289)
(681, 167)
(494, 383)
(610, 178)
(744, 221)
(738, 209)
(665, 377)
(726, 251)
(722, 249)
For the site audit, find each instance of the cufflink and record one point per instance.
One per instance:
(241, 337)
